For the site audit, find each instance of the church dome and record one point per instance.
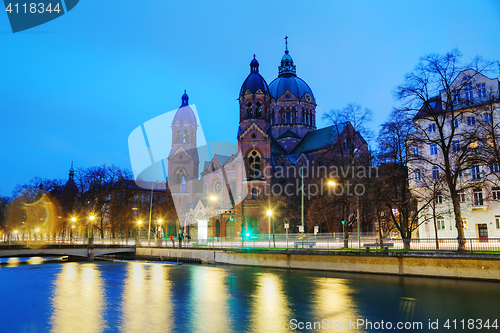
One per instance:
(288, 80)
(254, 80)
(184, 113)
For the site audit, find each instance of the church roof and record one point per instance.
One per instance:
(222, 158)
(288, 134)
(254, 80)
(320, 139)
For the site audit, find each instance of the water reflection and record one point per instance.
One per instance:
(147, 300)
(270, 308)
(209, 301)
(78, 300)
(333, 304)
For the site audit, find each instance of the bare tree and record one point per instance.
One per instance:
(432, 93)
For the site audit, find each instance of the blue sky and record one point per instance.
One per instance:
(76, 87)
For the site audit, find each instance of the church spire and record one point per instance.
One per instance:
(286, 68)
(71, 172)
(185, 99)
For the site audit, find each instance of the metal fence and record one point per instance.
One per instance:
(297, 241)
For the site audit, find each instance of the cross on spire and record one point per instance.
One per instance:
(286, 44)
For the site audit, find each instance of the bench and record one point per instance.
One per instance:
(310, 244)
(386, 246)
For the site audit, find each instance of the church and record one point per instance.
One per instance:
(277, 132)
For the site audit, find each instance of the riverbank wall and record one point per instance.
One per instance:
(447, 265)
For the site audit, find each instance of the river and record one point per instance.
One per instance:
(158, 297)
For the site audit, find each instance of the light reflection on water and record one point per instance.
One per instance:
(156, 297)
(146, 305)
(78, 299)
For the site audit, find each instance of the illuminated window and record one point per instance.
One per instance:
(432, 128)
(455, 146)
(489, 140)
(473, 144)
(464, 221)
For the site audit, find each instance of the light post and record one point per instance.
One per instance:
(15, 233)
(269, 213)
(73, 220)
(158, 228)
(213, 238)
(139, 223)
(37, 230)
(92, 218)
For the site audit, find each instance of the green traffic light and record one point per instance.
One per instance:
(343, 222)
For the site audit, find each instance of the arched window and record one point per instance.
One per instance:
(254, 166)
(440, 223)
(272, 117)
(417, 175)
(180, 178)
(185, 136)
(249, 110)
(255, 193)
(177, 137)
(259, 110)
(288, 117)
(435, 172)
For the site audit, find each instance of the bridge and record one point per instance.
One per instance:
(76, 251)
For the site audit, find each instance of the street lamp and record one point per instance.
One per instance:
(269, 213)
(73, 220)
(158, 228)
(212, 198)
(92, 218)
(139, 223)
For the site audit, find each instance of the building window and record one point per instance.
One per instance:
(478, 197)
(434, 149)
(259, 110)
(417, 175)
(493, 167)
(497, 221)
(471, 121)
(249, 110)
(461, 196)
(255, 193)
(464, 222)
(414, 151)
(435, 172)
(481, 90)
(455, 146)
(475, 172)
(469, 96)
(440, 223)
(456, 97)
(488, 117)
(473, 145)
(254, 166)
(439, 198)
(495, 193)
(454, 123)
(432, 128)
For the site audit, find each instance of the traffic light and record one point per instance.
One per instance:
(343, 222)
(231, 218)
